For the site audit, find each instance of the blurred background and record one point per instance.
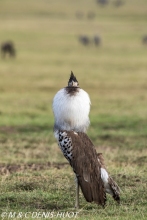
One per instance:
(104, 42)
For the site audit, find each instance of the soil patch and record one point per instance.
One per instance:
(12, 168)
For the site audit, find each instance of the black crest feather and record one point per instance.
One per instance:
(72, 79)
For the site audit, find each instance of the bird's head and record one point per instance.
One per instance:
(72, 81)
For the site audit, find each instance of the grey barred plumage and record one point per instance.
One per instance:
(71, 106)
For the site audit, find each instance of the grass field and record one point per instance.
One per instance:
(35, 177)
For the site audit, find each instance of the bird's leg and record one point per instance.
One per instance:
(77, 194)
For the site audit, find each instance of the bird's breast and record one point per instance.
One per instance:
(71, 111)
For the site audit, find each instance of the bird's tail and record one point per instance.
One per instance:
(110, 185)
(115, 189)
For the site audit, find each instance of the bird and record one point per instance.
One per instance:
(71, 108)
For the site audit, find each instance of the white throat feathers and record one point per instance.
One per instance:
(71, 107)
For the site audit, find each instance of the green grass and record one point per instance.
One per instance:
(35, 177)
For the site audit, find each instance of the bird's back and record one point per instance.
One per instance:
(81, 154)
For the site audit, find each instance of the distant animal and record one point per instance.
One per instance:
(102, 2)
(97, 40)
(144, 39)
(118, 3)
(71, 107)
(7, 49)
(84, 40)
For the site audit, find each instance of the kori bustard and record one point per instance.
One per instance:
(71, 107)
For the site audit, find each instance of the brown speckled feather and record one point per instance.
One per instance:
(87, 168)
(101, 160)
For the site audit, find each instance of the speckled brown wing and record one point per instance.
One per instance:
(87, 168)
